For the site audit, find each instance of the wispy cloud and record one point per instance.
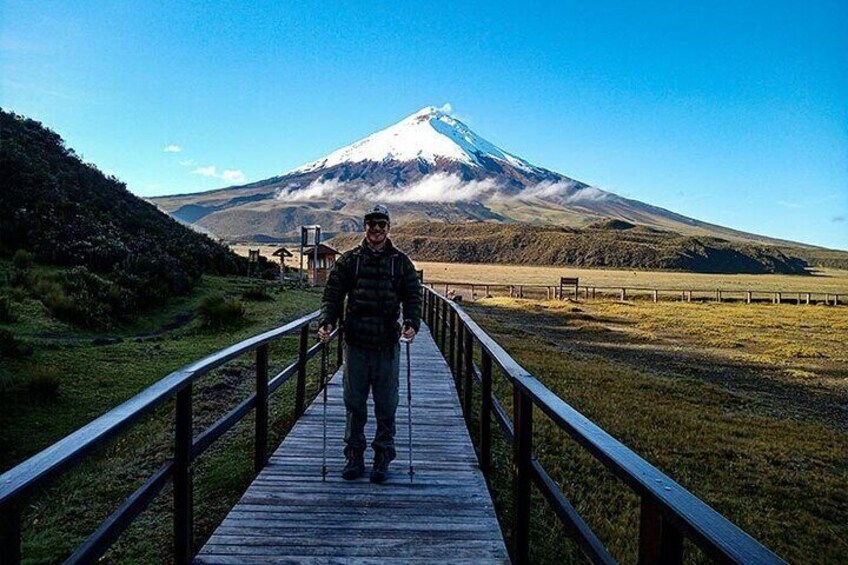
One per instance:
(188, 162)
(446, 108)
(233, 176)
(173, 149)
(438, 187)
(838, 219)
(209, 171)
(788, 204)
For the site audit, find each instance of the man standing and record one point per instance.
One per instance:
(377, 280)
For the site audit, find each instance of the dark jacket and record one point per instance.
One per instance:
(376, 285)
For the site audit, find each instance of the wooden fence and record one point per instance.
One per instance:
(669, 513)
(473, 291)
(18, 484)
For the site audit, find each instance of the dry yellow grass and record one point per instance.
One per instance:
(825, 280)
(744, 405)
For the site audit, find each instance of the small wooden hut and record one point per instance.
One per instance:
(326, 261)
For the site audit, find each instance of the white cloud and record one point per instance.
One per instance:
(564, 192)
(315, 190)
(233, 175)
(209, 171)
(188, 162)
(438, 187)
(447, 108)
(173, 149)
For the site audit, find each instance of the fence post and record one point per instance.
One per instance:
(183, 511)
(443, 326)
(10, 534)
(300, 391)
(460, 360)
(623, 294)
(807, 302)
(452, 340)
(485, 412)
(469, 373)
(748, 297)
(260, 450)
(656, 297)
(659, 541)
(521, 455)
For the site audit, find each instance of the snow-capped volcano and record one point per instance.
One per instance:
(429, 135)
(428, 166)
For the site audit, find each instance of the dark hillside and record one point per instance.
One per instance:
(613, 243)
(126, 254)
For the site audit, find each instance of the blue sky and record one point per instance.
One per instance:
(734, 113)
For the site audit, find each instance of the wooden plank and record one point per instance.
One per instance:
(290, 515)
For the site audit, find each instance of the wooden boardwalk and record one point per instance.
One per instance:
(289, 515)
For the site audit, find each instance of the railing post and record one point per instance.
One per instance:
(521, 454)
(452, 340)
(260, 450)
(460, 361)
(340, 343)
(659, 542)
(434, 324)
(432, 314)
(300, 393)
(486, 412)
(183, 506)
(469, 373)
(443, 325)
(10, 534)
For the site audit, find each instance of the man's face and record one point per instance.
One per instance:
(376, 230)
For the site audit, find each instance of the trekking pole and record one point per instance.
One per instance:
(409, 403)
(324, 386)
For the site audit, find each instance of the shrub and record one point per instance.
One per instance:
(6, 315)
(217, 311)
(61, 306)
(256, 293)
(22, 260)
(10, 346)
(44, 382)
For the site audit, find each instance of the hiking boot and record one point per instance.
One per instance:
(380, 470)
(354, 468)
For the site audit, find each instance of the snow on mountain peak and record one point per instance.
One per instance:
(429, 134)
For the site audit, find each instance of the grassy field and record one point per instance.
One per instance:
(744, 405)
(94, 378)
(825, 280)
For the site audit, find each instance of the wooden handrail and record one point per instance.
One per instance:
(20, 482)
(665, 502)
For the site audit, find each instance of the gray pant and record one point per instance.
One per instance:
(378, 371)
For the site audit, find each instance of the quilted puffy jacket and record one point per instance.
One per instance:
(376, 284)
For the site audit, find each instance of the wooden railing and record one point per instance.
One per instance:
(20, 483)
(668, 511)
(587, 292)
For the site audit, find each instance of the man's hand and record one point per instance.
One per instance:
(408, 333)
(324, 332)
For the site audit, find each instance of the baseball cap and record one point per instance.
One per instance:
(377, 211)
